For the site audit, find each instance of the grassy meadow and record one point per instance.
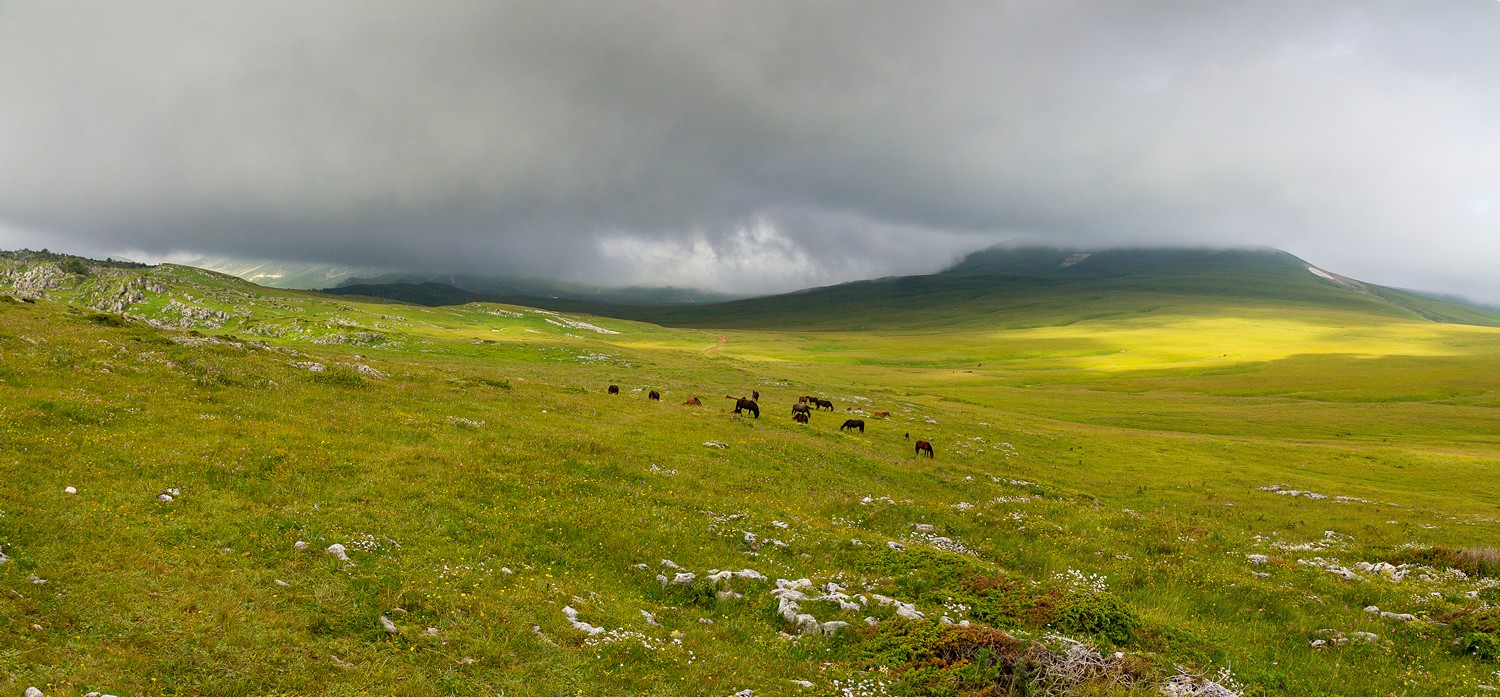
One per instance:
(1156, 493)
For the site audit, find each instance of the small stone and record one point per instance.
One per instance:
(70, 490)
(1319, 643)
(337, 550)
(741, 693)
(388, 624)
(650, 618)
(164, 497)
(832, 628)
(282, 583)
(640, 567)
(685, 578)
(430, 631)
(299, 545)
(37, 580)
(705, 620)
(506, 570)
(803, 683)
(33, 692)
(36, 628)
(871, 621)
(922, 527)
(341, 662)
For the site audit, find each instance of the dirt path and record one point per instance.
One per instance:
(710, 350)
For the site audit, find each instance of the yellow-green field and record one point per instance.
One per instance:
(1173, 486)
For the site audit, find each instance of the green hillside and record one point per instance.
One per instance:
(1027, 286)
(1269, 485)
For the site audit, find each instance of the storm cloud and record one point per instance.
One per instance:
(753, 146)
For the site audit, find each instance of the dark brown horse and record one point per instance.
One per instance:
(801, 417)
(924, 446)
(749, 405)
(614, 389)
(755, 395)
(852, 424)
(825, 404)
(693, 402)
(654, 395)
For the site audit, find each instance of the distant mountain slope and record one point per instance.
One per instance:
(280, 274)
(1036, 286)
(409, 286)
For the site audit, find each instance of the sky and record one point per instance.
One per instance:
(753, 146)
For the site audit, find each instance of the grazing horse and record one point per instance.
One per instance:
(801, 409)
(693, 402)
(825, 404)
(924, 446)
(804, 399)
(882, 414)
(747, 405)
(801, 417)
(852, 424)
(614, 389)
(755, 395)
(654, 395)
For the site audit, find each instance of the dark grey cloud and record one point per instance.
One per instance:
(754, 146)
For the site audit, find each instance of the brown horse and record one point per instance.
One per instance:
(654, 395)
(852, 424)
(614, 389)
(693, 402)
(801, 417)
(825, 404)
(924, 446)
(804, 399)
(749, 405)
(882, 414)
(755, 395)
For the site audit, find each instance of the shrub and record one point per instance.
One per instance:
(1100, 615)
(1483, 646)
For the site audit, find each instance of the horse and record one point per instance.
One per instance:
(801, 409)
(747, 405)
(882, 414)
(693, 402)
(924, 446)
(614, 389)
(800, 417)
(755, 395)
(825, 404)
(852, 424)
(803, 399)
(654, 395)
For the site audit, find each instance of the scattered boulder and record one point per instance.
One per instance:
(336, 550)
(33, 692)
(684, 578)
(1257, 559)
(282, 583)
(388, 624)
(584, 627)
(70, 490)
(299, 545)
